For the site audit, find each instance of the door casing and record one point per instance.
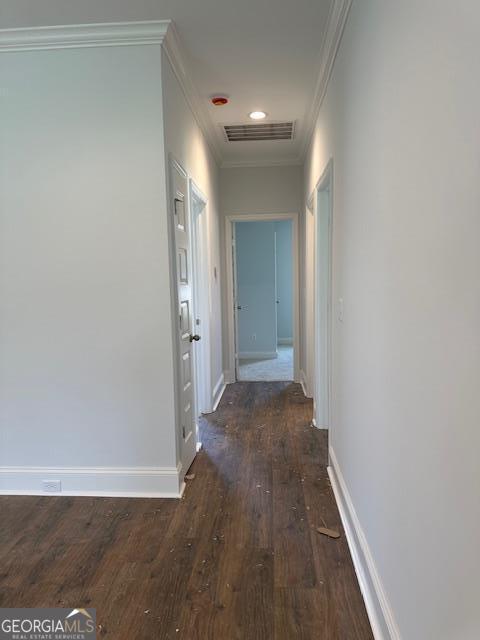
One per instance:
(321, 206)
(201, 300)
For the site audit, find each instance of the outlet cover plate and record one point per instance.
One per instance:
(52, 486)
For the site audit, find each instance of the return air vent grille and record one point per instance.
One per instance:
(264, 131)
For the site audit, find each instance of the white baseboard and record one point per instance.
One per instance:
(182, 488)
(229, 376)
(303, 382)
(129, 482)
(378, 607)
(314, 424)
(218, 392)
(257, 355)
(288, 341)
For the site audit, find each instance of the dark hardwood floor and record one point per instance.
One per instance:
(237, 558)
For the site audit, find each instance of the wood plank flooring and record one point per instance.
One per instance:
(237, 558)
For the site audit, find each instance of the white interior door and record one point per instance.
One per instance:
(186, 336)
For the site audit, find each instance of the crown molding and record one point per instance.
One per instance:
(84, 35)
(163, 32)
(158, 32)
(331, 42)
(174, 51)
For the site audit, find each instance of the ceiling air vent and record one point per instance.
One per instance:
(264, 131)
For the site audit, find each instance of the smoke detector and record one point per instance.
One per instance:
(219, 101)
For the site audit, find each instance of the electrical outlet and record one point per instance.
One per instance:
(254, 337)
(52, 486)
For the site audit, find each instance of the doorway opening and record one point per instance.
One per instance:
(263, 297)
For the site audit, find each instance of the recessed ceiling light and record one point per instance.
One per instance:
(257, 115)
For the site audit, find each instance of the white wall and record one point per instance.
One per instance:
(284, 265)
(252, 190)
(401, 122)
(256, 289)
(185, 140)
(85, 333)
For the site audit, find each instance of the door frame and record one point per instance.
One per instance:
(230, 220)
(201, 300)
(324, 184)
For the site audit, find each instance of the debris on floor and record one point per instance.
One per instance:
(331, 533)
(190, 476)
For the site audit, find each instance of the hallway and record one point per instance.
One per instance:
(223, 225)
(237, 558)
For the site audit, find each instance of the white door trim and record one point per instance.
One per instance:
(230, 373)
(174, 164)
(325, 183)
(201, 299)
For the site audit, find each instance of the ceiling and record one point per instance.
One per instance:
(264, 54)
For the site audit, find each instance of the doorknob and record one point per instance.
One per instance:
(195, 337)
(239, 307)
